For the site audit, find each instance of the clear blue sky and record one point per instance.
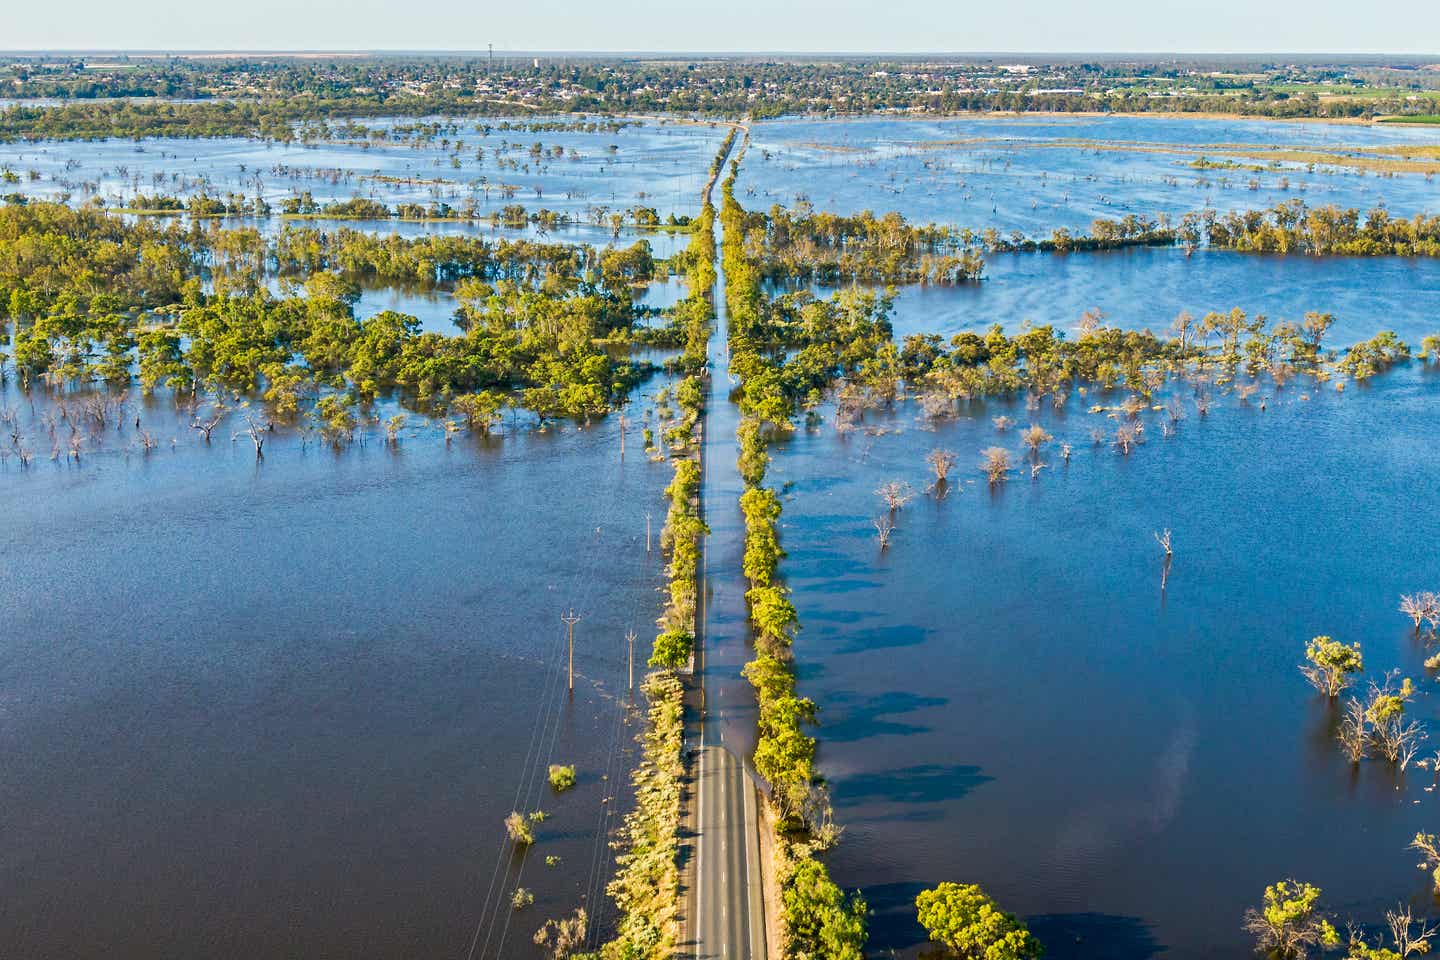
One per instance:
(1239, 26)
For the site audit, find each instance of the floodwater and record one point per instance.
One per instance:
(281, 709)
(1008, 697)
(1147, 288)
(650, 163)
(1034, 174)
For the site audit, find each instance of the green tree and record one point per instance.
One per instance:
(1290, 923)
(1331, 664)
(962, 918)
(821, 920)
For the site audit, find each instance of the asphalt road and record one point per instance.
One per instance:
(729, 921)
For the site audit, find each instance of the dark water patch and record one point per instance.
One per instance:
(1074, 936)
(851, 717)
(924, 783)
(1154, 754)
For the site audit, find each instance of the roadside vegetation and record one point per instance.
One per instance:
(646, 888)
(819, 919)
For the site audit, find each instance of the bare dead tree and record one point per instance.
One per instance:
(257, 432)
(1394, 737)
(147, 442)
(1035, 437)
(997, 464)
(933, 404)
(1202, 402)
(1132, 406)
(1128, 436)
(1003, 423)
(1175, 410)
(941, 463)
(884, 529)
(562, 938)
(207, 425)
(1422, 608)
(1035, 469)
(1411, 936)
(895, 493)
(1163, 538)
(1428, 846)
(1353, 731)
(819, 816)
(1065, 451)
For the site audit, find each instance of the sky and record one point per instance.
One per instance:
(897, 26)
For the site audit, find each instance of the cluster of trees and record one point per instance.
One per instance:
(1291, 925)
(274, 96)
(820, 920)
(830, 248)
(304, 206)
(1292, 227)
(646, 886)
(89, 298)
(199, 205)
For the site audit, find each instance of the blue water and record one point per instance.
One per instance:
(1007, 696)
(1022, 173)
(282, 709)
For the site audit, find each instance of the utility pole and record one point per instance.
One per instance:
(647, 533)
(492, 56)
(630, 639)
(570, 620)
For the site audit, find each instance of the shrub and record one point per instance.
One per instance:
(561, 778)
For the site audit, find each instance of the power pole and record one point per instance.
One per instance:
(647, 533)
(570, 620)
(630, 639)
(492, 55)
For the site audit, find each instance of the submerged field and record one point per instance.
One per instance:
(281, 708)
(1008, 695)
(537, 162)
(1034, 174)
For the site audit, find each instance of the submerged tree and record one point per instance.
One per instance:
(1035, 437)
(895, 493)
(1290, 924)
(565, 937)
(517, 828)
(997, 464)
(1428, 846)
(962, 918)
(1408, 937)
(1394, 736)
(941, 463)
(1331, 664)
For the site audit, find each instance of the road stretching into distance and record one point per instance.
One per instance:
(725, 913)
